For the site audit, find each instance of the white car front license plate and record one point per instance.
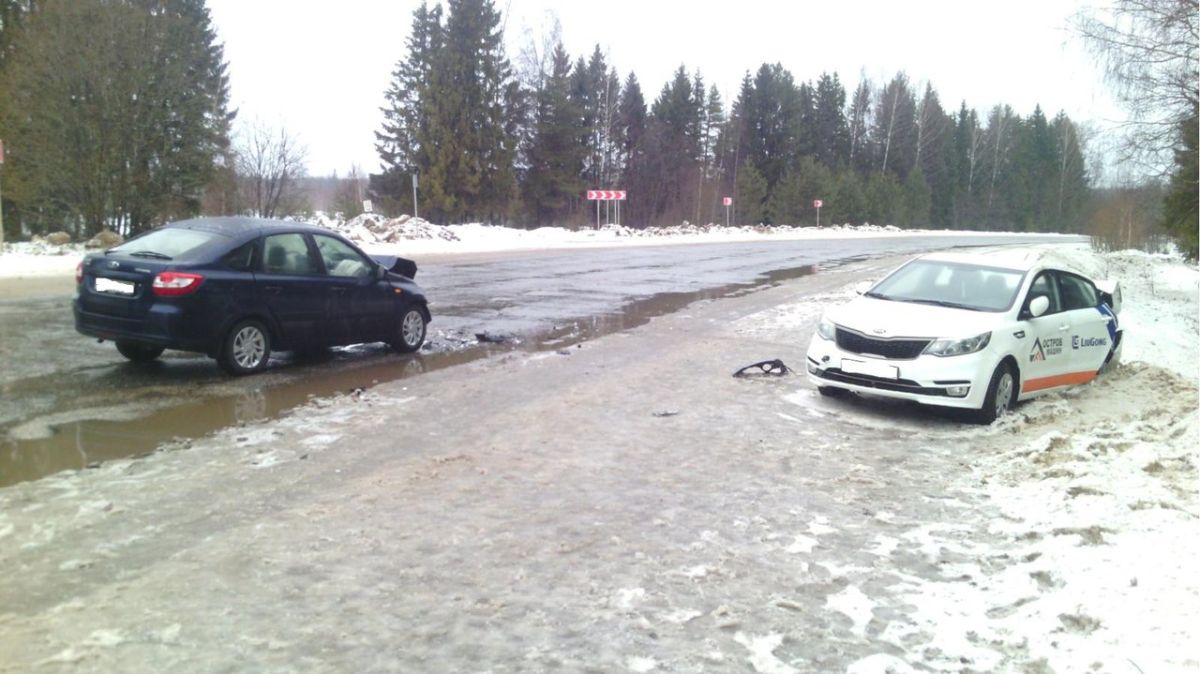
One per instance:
(871, 368)
(108, 285)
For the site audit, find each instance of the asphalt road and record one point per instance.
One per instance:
(67, 402)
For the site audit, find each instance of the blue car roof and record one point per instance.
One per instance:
(234, 226)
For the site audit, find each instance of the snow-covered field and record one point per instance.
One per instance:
(417, 237)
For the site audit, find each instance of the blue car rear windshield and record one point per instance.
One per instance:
(172, 243)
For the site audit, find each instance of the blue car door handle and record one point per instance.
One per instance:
(274, 290)
(337, 289)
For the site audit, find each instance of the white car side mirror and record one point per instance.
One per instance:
(1039, 305)
(862, 287)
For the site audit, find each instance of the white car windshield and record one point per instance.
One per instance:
(951, 284)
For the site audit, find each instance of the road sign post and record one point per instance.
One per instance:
(728, 202)
(817, 203)
(606, 195)
(1, 195)
(415, 215)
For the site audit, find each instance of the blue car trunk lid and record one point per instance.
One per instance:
(119, 285)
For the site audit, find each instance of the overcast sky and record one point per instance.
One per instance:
(320, 68)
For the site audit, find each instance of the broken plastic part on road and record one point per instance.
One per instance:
(774, 368)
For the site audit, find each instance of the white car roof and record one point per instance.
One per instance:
(1017, 259)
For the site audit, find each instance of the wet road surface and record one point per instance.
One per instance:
(67, 402)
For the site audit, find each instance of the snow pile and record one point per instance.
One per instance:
(1159, 305)
(372, 228)
(39, 258)
(1087, 553)
(1103, 514)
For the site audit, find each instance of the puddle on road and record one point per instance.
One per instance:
(75, 445)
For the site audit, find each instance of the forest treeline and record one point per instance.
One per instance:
(495, 143)
(116, 113)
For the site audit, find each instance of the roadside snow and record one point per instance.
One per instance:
(409, 237)
(1088, 560)
(25, 259)
(1159, 311)
(415, 236)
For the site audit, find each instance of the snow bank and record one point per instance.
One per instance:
(414, 236)
(25, 259)
(1159, 307)
(409, 236)
(370, 228)
(1083, 553)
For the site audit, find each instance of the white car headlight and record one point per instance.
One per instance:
(825, 329)
(958, 347)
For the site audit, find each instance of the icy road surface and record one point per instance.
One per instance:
(632, 507)
(67, 402)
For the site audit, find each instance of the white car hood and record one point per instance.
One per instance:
(908, 319)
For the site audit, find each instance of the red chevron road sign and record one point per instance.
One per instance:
(606, 195)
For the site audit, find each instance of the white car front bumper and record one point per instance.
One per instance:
(929, 380)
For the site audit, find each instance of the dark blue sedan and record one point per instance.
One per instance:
(238, 288)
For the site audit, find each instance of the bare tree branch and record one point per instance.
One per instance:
(269, 163)
(1149, 51)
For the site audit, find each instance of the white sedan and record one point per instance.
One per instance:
(977, 331)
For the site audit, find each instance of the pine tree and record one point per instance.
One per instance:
(470, 158)
(12, 15)
(749, 201)
(402, 140)
(934, 157)
(583, 95)
(1181, 207)
(121, 111)
(595, 94)
(884, 199)
(998, 142)
(1073, 189)
(631, 125)
(965, 162)
(804, 130)
(832, 133)
(1031, 187)
(713, 168)
(611, 131)
(555, 156)
(858, 122)
(894, 130)
(785, 205)
(735, 136)
(848, 203)
(917, 200)
(675, 123)
(772, 122)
